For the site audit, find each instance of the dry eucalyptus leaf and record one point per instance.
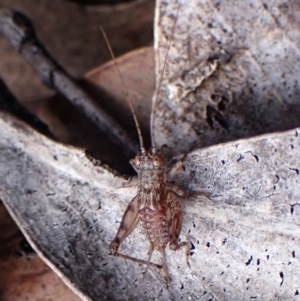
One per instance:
(245, 239)
(49, 191)
(30, 279)
(137, 70)
(232, 71)
(245, 236)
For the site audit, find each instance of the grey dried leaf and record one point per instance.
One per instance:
(255, 88)
(70, 211)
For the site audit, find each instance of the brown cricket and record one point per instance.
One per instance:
(157, 205)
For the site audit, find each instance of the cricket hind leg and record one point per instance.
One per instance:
(165, 267)
(174, 225)
(129, 221)
(150, 252)
(164, 260)
(185, 245)
(140, 261)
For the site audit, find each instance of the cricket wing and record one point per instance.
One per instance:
(129, 221)
(175, 219)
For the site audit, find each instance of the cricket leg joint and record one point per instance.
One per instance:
(113, 248)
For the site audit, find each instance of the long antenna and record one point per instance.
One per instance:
(127, 94)
(162, 75)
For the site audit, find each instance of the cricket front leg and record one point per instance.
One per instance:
(129, 222)
(186, 193)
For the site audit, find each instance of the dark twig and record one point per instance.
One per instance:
(19, 30)
(10, 104)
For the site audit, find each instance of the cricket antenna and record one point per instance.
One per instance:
(127, 94)
(162, 75)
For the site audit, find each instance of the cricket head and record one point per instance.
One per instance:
(148, 160)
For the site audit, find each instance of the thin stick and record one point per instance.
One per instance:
(157, 266)
(127, 94)
(161, 77)
(18, 29)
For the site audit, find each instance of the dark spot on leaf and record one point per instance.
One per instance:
(223, 104)
(249, 261)
(30, 191)
(182, 286)
(213, 117)
(258, 262)
(240, 158)
(282, 277)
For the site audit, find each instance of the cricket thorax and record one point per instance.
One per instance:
(150, 167)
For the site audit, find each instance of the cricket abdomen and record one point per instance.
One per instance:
(155, 225)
